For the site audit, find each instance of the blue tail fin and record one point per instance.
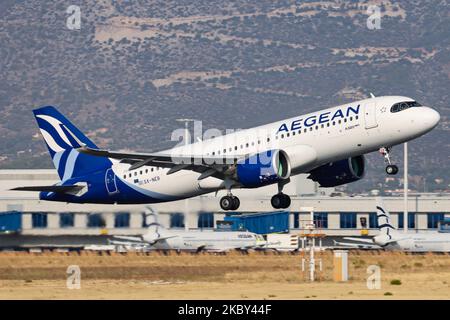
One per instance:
(62, 138)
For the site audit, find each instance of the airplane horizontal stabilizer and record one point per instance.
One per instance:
(59, 189)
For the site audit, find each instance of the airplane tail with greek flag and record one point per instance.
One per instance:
(384, 218)
(62, 139)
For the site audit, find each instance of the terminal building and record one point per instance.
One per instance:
(23, 214)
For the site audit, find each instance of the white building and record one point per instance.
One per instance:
(335, 215)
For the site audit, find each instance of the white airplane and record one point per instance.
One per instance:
(157, 237)
(390, 239)
(328, 144)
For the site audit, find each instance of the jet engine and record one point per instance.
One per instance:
(339, 172)
(263, 168)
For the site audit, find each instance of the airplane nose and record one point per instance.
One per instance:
(431, 117)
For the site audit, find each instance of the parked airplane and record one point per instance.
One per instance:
(157, 237)
(390, 239)
(329, 145)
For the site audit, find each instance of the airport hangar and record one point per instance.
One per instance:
(31, 221)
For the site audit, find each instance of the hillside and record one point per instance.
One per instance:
(136, 66)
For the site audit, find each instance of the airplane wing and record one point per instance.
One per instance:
(212, 166)
(59, 189)
(129, 238)
(356, 245)
(162, 239)
(140, 240)
(359, 239)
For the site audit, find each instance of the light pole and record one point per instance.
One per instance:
(405, 188)
(186, 142)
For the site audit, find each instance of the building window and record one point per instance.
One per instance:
(95, 220)
(321, 220)
(373, 220)
(39, 220)
(122, 220)
(296, 220)
(433, 219)
(411, 220)
(205, 220)
(66, 220)
(177, 220)
(347, 220)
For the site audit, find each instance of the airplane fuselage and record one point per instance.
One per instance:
(421, 242)
(207, 240)
(310, 140)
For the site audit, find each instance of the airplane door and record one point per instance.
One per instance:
(110, 181)
(370, 115)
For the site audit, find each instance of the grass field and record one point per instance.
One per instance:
(256, 275)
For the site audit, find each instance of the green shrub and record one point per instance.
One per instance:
(396, 282)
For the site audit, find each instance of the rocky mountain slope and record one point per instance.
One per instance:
(136, 66)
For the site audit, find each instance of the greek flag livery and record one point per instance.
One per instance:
(62, 139)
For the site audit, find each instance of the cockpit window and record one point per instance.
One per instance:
(400, 106)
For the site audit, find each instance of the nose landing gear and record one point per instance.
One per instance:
(391, 169)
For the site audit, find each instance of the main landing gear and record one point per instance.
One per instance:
(229, 202)
(281, 200)
(391, 169)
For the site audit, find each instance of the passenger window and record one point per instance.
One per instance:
(129, 175)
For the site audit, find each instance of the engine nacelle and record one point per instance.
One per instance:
(263, 168)
(339, 172)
